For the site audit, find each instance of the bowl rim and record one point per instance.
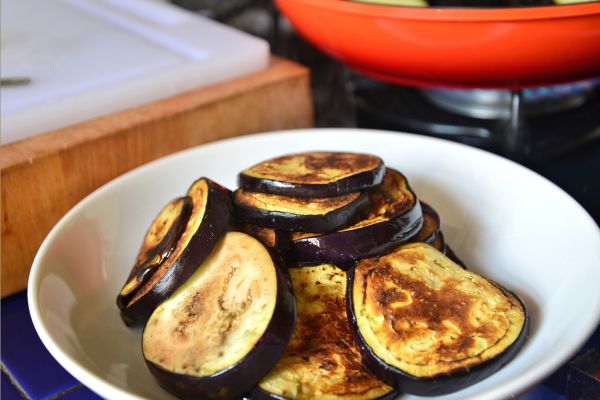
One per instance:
(508, 14)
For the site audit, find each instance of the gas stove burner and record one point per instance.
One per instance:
(531, 124)
(498, 104)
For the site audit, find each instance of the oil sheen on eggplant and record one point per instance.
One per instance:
(210, 215)
(429, 326)
(314, 174)
(159, 242)
(322, 359)
(324, 214)
(395, 217)
(224, 328)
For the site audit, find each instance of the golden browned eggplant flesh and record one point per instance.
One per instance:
(428, 323)
(322, 359)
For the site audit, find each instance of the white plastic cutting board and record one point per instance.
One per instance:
(88, 58)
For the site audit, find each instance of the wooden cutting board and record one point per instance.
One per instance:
(43, 176)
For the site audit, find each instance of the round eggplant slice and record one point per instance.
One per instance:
(314, 174)
(429, 326)
(158, 244)
(210, 214)
(224, 328)
(322, 359)
(395, 217)
(324, 214)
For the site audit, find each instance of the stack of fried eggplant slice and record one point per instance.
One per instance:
(322, 276)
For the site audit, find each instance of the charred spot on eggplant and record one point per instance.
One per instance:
(324, 214)
(210, 213)
(159, 242)
(223, 329)
(430, 326)
(322, 359)
(314, 174)
(395, 217)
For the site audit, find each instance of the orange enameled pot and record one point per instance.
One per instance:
(455, 47)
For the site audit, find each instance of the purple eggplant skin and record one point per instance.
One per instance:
(345, 247)
(353, 183)
(260, 394)
(240, 378)
(329, 222)
(219, 211)
(431, 225)
(146, 266)
(438, 385)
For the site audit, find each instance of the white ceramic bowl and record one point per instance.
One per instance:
(503, 220)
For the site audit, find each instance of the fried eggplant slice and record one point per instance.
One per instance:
(224, 328)
(324, 214)
(429, 326)
(159, 242)
(208, 220)
(314, 174)
(322, 359)
(395, 217)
